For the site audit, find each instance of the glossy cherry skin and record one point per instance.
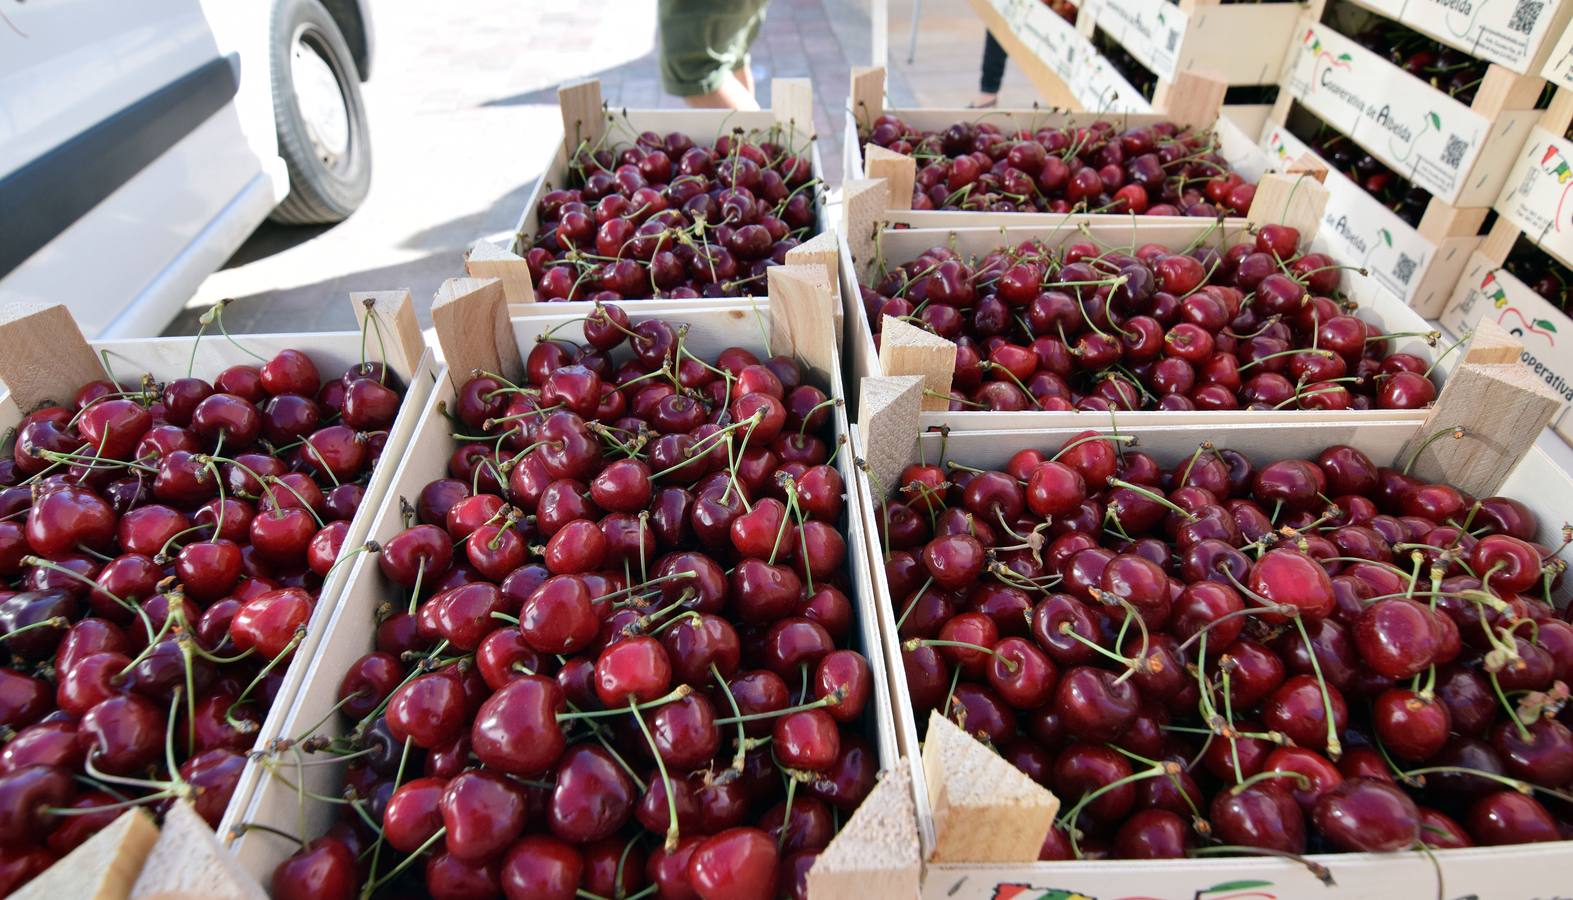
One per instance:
(1508, 817)
(324, 869)
(736, 864)
(1367, 815)
(541, 866)
(484, 812)
(592, 797)
(1258, 816)
(1292, 578)
(1094, 704)
(1297, 710)
(516, 730)
(1411, 727)
(1396, 637)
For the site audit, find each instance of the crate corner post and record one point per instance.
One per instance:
(822, 250)
(906, 349)
(864, 203)
(899, 171)
(473, 329)
(890, 413)
(46, 357)
(876, 853)
(792, 104)
(1195, 99)
(485, 259)
(985, 809)
(1295, 198)
(402, 344)
(188, 861)
(583, 119)
(867, 99)
(1485, 420)
(103, 867)
(803, 316)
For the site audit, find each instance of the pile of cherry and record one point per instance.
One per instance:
(1408, 200)
(668, 218)
(161, 546)
(1152, 170)
(1540, 272)
(1252, 327)
(1160, 647)
(616, 657)
(1448, 69)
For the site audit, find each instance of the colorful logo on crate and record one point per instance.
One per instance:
(1313, 45)
(1493, 290)
(1556, 165)
(1229, 890)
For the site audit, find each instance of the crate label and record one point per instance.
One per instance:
(1357, 229)
(1151, 30)
(1046, 34)
(1100, 88)
(1546, 332)
(1559, 66)
(1538, 194)
(1423, 134)
(1509, 32)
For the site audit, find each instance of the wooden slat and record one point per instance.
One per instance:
(867, 99)
(43, 356)
(889, 415)
(792, 103)
(471, 318)
(906, 349)
(583, 120)
(391, 317)
(897, 169)
(803, 317)
(487, 260)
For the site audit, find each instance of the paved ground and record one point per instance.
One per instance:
(463, 116)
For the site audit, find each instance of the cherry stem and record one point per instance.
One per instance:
(671, 696)
(1334, 747)
(739, 758)
(1457, 432)
(51, 622)
(1070, 632)
(1512, 714)
(1154, 497)
(834, 698)
(666, 781)
(1322, 873)
(1116, 438)
(915, 643)
(247, 727)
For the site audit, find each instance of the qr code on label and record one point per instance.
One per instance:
(1525, 14)
(1453, 153)
(1404, 269)
(1174, 39)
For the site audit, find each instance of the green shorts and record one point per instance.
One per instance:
(703, 40)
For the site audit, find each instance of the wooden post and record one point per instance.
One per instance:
(188, 862)
(864, 202)
(1495, 411)
(792, 104)
(868, 94)
(1194, 99)
(823, 251)
(45, 357)
(103, 867)
(583, 120)
(487, 260)
(909, 350)
(890, 413)
(1492, 345)
(1296, 199)
(898, 169)
(394, 328)
(803, 318)
(985, 809)
(471, 318)
(876, 854)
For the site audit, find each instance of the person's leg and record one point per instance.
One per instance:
(704, 51)
(730, 95)
(993, 71)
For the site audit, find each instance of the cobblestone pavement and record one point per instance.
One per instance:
(463, 116)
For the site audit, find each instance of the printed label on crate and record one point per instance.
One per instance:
(1054, 40)
(1545, 331)
(1509, 32)
(1559, 66)
(1420, 132)
(1356, 229)
(1099, 87)
(1538, 194)
(1150, 29)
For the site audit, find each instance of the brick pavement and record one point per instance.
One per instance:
(463, 117)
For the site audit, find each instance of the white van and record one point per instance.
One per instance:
(142, 142)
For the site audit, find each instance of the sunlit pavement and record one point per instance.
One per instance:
(462, 107)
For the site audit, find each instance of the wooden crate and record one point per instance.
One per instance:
(1195, 102)
(1559, 62)
(1057, 58)
(1238, 43)
(900, 244)
(1521, 871)
(1460, 154)
(1520, 37)
(73, 362)
(586, 118)
(1416, 264)
(1533, 205)
(350, 632)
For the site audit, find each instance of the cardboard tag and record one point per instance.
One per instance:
(1150, 30)
(1509, 32)
(1488, 292)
